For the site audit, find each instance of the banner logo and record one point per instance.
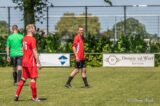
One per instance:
(63, 59)
(112, 59)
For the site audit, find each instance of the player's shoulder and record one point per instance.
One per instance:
(20, 34)
(29, 38)
(76, 36)
(14, 35)
(34, 39)
(10, 36)
(25, 37)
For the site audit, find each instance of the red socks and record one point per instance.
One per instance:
(32, 85)
(19, 88)
(34, 89)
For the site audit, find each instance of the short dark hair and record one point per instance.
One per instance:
(14, 27)
(80, 26)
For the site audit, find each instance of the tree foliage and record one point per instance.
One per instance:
(34, 10)
(92, 44)
(69, 23)
(133, 28)
(3, 27)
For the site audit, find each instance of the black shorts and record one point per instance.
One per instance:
(79, 64)
(16, 61)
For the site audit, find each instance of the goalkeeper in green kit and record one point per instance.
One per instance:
(14, 52)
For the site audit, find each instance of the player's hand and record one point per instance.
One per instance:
(77, 59)
(39, 65)
(8, 59)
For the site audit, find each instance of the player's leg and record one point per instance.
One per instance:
(19, 68)
(83, 73)
(19, 88)
(19, 74)
(13, 62)
(34, 75)
(84, 77)
(14, 75)
(73, 73)
(34, 89)
(70, 78)
(25, 75)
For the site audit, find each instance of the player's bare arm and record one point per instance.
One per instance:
(8, 57)
(35, 53)
(75, 53)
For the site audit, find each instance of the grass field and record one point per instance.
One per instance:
(109, 87)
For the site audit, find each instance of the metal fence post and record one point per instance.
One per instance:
(9, 19)
(158, 25)
(47, 19)
(115, 31)
(125, 17)
(86, 20)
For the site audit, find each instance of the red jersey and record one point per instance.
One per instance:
(29, 43)
(79, 45)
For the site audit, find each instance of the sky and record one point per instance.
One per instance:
(101, 2)
(91, 2)
(150, 22)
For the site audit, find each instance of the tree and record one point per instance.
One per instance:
(69, 23)
(3, 27)
(33, 10)
(133, 42)
(133, 26)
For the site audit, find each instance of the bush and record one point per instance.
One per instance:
(96, 45)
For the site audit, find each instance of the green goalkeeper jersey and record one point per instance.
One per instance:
(14, 42)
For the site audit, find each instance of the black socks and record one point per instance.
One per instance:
(69, 80)
(19, 75)
(85, 81)
(15, 77)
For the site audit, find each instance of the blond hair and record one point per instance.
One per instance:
(30, 27)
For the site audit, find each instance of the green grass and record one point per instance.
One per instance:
(110, 87)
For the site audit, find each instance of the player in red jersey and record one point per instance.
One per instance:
(79, 58)
(29, 63)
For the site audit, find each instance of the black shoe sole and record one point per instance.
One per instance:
(86, 86)
(68, 86)
(16, 98)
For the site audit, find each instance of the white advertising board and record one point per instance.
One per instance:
(57, 60)
(128, 60)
